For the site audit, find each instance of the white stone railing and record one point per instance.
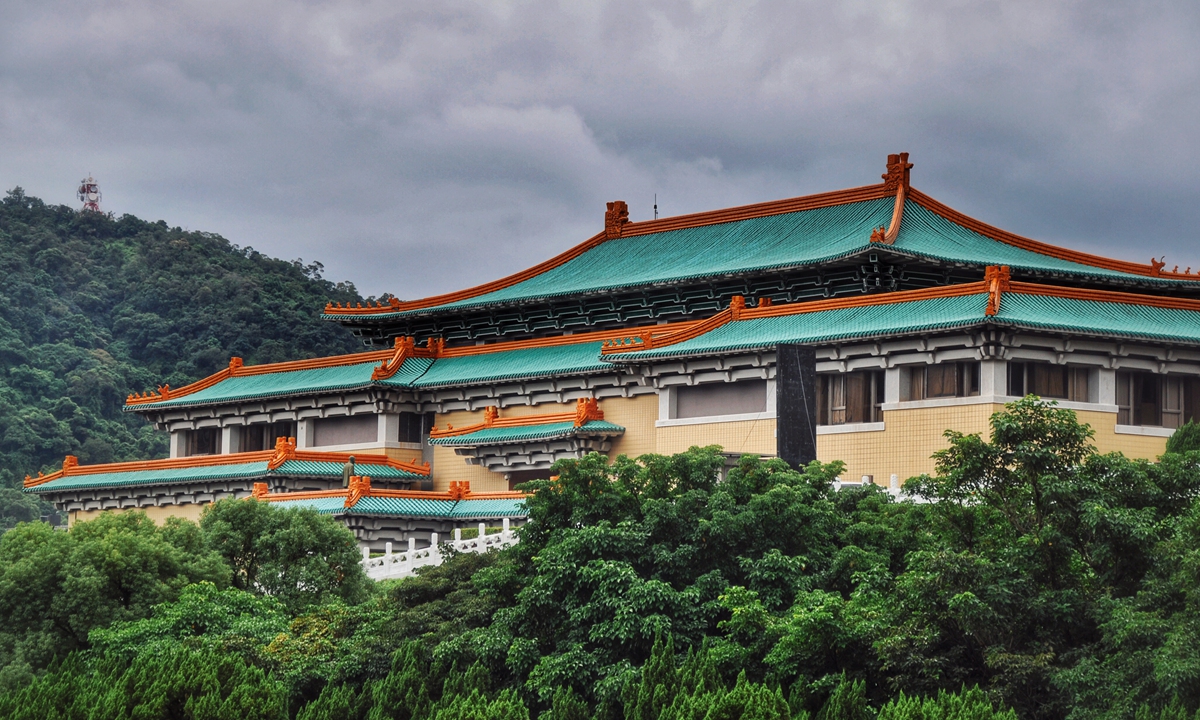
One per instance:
(402, 564)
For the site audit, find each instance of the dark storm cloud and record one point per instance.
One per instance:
(421, 147)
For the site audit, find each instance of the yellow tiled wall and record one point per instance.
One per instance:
(158, 514)
(745, 436)
(911, 436)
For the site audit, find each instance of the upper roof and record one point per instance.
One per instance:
(783, 234)
(587, 420)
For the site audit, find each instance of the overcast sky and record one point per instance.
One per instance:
(420, 147)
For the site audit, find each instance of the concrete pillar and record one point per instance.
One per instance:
(891, 385)
(412, 544)
(387, 549)
(304, 434)
(457, 534)
(389, 428)
(993, 377)
(231, 439)
(1106, 387)
(179, 443)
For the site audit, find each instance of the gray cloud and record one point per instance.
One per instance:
(417, 148)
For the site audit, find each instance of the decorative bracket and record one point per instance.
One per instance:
(360, 486)
(285, 449)
(406, 347)
(586, 410)
(996, 277)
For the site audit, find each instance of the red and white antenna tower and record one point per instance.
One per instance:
(89, 193)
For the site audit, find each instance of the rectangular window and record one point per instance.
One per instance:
(262, 436)
(1144, 398)
(353, 430)
(1059, 382)
(413, 427)
(852, 397)
(732, 398)
(955, 379)
(205, 441)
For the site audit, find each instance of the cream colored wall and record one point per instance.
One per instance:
(911, 436)
(158, 514)
(637, 415)
(746, 436)
(1107, 439)
(905, 445)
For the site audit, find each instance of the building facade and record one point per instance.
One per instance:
(652, 337)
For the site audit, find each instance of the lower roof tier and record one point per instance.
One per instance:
(995, 302)
(283, 462)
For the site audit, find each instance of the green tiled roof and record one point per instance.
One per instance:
(414, 507)
(513, 365)
(846, 323)
(1017, 310)
(555, 361)
(528, 433)
(310, 468)
(808, 237)
(240, 471)
(1100, 318)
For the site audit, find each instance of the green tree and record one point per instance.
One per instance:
(56, 587)
(295, 555)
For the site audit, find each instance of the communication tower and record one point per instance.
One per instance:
(89, 193)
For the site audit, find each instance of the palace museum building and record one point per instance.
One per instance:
(855, 325)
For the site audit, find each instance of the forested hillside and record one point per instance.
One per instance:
(97, 307)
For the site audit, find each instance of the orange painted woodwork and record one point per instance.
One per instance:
(997, 280)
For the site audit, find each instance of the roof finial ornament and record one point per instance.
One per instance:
(1156, 265)
(615, 217)
(896, 176)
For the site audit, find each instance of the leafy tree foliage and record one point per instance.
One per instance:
(56, 587)
(98, 307)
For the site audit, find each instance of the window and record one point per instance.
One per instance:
(206, 441)
(955, 379)
(1063, 382)
(852, 397)
(733, 398)
(413, 427)
(354, 430)
(1144, 398)
(263, 436)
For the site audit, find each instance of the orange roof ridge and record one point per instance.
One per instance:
(632, 229)
(1112, 296)
(238, 369)
(586, 410)
(1154, 269)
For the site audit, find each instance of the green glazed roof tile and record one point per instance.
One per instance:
(1100, 318)
(310, 468)
(514, 364)
(528, 433)
(466, 509)
(241, 471)
(845, 323)
(795, 239)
